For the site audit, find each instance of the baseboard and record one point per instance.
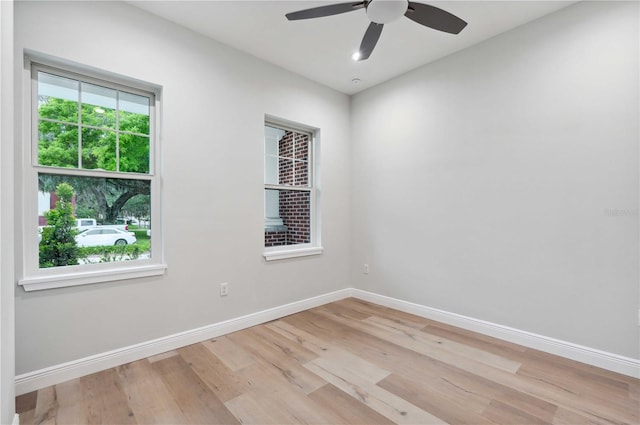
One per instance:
(74, 369)
(63, 372)
(602, 359)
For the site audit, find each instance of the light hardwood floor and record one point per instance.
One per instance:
(349, 362)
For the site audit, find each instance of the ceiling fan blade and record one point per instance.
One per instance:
(432, 17)
(370, 40)
(319, 12)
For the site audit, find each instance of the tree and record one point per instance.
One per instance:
(58, 246)
(120, 191)
(138, 206)
(100, 148)
(104, 195)
(58, 140)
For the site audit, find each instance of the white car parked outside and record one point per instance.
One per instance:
(102, 237)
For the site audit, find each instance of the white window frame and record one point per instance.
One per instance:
(36, 278)
(314, 247)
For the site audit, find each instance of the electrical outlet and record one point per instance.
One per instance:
(365, 269)
(224, 289)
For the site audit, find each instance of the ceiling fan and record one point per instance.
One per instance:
(381, 12)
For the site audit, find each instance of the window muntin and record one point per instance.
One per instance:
(89, 126)
(287, 157)
(289, 187)
(100, 136)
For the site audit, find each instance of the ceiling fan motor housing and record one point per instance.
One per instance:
(385, 11)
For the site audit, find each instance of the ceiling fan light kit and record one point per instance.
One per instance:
(385, 11)
(381, 12)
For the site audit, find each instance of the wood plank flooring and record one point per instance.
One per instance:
(348, 362)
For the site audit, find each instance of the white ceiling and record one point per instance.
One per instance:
(320, 49)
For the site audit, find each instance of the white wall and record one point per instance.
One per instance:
(214, 101)
(481, 181)
(7, 352)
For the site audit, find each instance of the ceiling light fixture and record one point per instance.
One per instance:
(356, 56)
(355, 81)
(385, 11)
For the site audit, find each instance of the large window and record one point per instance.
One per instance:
(290, 193)
(92, 181)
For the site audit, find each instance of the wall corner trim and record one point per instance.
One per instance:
(56, 374)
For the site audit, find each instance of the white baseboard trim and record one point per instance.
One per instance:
(602, 359)
(74, 369)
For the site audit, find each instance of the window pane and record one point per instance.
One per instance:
(285, 171)
(134, 113)
(98, 106)
(271, 147)
(302, 147)
(57, 98)
(98, 149)
(301, 173)
(57, 144)
(272, 136)
(134, 153)
(295, 211)
(285, 146)
(271, 204)
(271, 170)
(100, 199)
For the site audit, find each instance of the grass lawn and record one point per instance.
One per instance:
(142, 239)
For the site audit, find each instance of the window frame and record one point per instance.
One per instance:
(36, 278)
(314, 247)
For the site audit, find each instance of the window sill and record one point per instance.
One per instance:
(283, 254)
(84, 278)
(275, 229)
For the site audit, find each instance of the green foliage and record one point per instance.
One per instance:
(142, 240)
(98, 149)
(58, 246)
(100, 196)
(58, 147)
(134, 153)
(109, 254)
(58, 143)
(105, 254)
(138, 206)
(83, 210)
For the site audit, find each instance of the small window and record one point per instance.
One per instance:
(290, 192)
(92, 160)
